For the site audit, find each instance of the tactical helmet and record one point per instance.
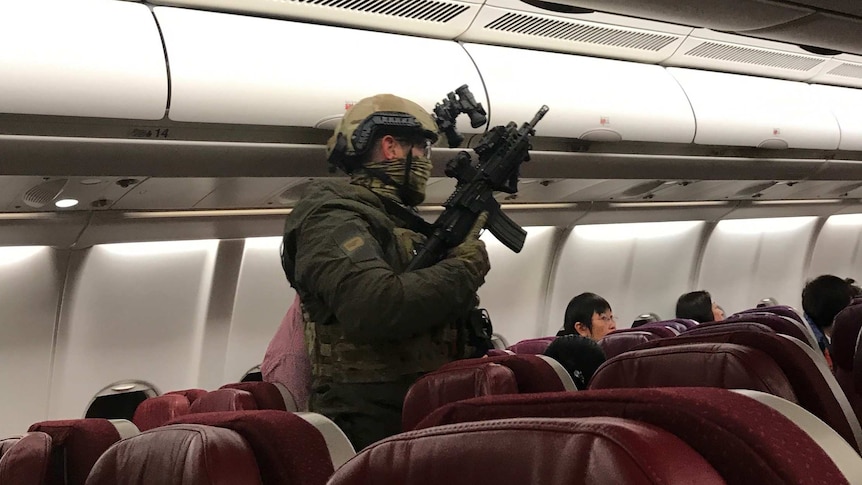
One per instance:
(383, 114)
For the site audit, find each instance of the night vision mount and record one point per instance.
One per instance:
(459, 101)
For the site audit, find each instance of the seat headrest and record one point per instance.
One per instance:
(532, 372)
(289, 449)
(7, 443)
(530, 450)
(781, 324)
(449, 385)
(191, 394)
(26, 461)
(727, 366)
(182, 453)
(722, 327)
(744, 440)
(224, 400)
(156, 411)
(615, 343)
(266, 395)
(532, 346)
(82, 441)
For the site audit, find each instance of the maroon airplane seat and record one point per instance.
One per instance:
(845, 335)
(7, 443)
(686, 322)
(224, 400)
(289, 450)
(532, 372)
(498, 352)
(532, 346)
(79, 443)
(660, 330)
(191, 394)
(266, 395)
(722, 328)
(745, 441)
(26, 462)
(443, 386)
(156, 411)
(856, 301)
(781, 324)
(619, 341)
(814, 386)
(179, 454)
(590, 450)
(723, 365)
(782, 310)
(674, 325)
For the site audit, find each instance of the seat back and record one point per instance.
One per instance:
(289, 449)
(532, 346)
(656, 328)
(745, 441)
(812, 383)
(782, 310)
(443, 386)
(845, 341)
(723, 365)
(267, 395)
(26, 462)
(781, 324)
(224, 400)
(533, 373)
(619, 341)
(593, 450)
(180, 454)
(78, 443)
(7, 443)
(191, 394)
(156, 411)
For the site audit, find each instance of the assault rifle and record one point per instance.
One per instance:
(501, 151)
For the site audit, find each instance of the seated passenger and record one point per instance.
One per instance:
(581, 356)
(645, 318)
(588, 315)
(822, 299)
(698, 306)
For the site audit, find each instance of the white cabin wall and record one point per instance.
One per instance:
(132, 311)
(746, 260)
(515, 288)
(31, 278)
(637, 268)
(839, 248)
(263, 296)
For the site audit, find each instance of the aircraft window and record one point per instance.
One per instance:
(119, 400)
(252, 375)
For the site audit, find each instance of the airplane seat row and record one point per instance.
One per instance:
(745, 436)
(531, 346)
(589, 450)
(847, 354)
(737, 355)
(66, 456)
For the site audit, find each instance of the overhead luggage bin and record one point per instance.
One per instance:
(738, 110)
(443, 19)
(845, 104)
(86, 58)
(519, 24)
(234, 69)
(592, 99)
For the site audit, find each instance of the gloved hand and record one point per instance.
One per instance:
(472, 251)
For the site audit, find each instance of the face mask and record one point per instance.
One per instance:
(410, 194)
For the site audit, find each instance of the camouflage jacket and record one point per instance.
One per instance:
(367, 320)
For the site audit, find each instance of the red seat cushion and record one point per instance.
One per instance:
(615, 343)
(186, 454)
(26, 462)
(532, 373)
(745, 441)
(265, 394)
(449, 385)
(288, 449)
(156, 411)
(224, 400)
(597, 450)
(532, 346)
(81, 442)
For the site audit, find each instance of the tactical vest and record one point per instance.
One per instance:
(336, 359)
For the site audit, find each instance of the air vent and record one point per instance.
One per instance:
(428, 10)
(759, 57)
(580, 32)
(847, 70)
(38, 196)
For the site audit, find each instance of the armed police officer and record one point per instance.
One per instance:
(371, 329)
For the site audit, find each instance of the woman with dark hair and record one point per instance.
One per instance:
(588, 315)
(698, 306)
(581, 356)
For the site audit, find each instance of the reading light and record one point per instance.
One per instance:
(64, 203)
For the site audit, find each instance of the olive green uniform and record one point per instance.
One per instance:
(371, 329)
